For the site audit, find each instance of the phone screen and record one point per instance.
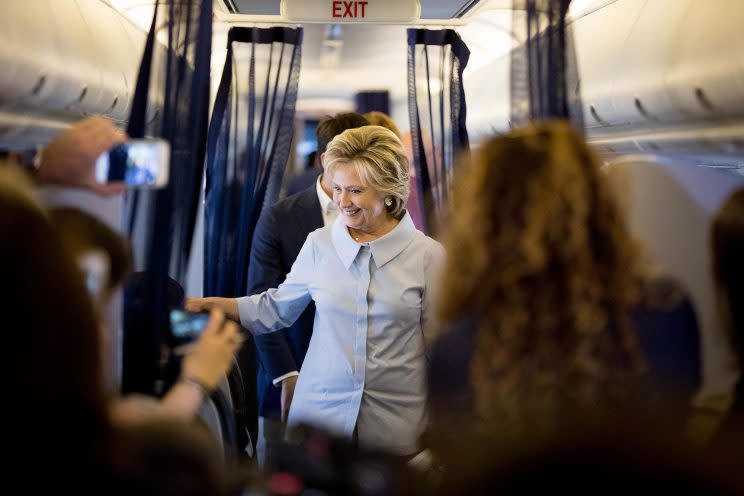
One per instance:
(187, 326)
(94, 265)
(136, 163)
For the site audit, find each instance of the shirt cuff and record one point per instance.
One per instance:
(278, 381)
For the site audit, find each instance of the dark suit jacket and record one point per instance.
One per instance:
(280, 233)
(303, 181)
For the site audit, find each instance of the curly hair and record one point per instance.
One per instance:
(538, 251)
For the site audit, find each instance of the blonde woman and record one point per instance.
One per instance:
(371, 276)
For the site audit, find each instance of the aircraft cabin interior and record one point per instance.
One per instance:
(233, 96)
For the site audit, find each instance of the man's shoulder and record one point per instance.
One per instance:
(302, 200)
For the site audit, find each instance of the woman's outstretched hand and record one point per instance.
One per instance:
(229, 306)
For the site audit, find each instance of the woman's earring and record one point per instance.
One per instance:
(388, 201)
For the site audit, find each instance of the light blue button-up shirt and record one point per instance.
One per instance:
(365, 366)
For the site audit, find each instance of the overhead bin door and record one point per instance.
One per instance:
(106, 84)
(706, 76)
(599, 52)
(639, 94)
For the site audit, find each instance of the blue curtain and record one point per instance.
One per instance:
(544, 81)
(170, 101)
(437, 110)
(248, 147)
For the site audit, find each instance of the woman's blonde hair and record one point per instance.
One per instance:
(539, 253)
(378, 158)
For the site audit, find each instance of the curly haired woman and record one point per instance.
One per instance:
(549, 316)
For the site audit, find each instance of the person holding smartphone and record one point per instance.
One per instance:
(101, 252)
(79, 157)
(70, 158)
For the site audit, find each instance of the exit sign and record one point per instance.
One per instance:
(351, 11)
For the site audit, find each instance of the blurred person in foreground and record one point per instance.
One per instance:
(372, 277)
(204, 363)
(728, 272)
(61, 427)
(551, 322)
(616, 460)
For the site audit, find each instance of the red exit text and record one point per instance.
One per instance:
(353, 9)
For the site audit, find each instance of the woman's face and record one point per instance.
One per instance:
(362, 207)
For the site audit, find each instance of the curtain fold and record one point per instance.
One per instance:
(170, 101)
(250, 136)
(437, 111)
(544, 79)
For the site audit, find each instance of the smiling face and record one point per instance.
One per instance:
(362, 207)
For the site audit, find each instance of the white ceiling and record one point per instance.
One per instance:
(375, 56)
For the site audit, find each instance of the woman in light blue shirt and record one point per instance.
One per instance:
(370, 274)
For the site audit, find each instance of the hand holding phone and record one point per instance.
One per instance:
(212, 355)
(138, 163)
(69, 159)
(95, 266)
(186, 327)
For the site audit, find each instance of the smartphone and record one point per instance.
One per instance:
(138, 163)
(94, 265)
(186, 326)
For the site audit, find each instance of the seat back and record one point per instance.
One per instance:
(669, 208)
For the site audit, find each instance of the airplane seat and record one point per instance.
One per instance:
(229, 412)
(669, 207)
(244, 402)
(211, 415)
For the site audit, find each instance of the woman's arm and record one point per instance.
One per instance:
(274, 309)
(229, 306)
(279, 308)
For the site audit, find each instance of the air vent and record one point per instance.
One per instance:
(466, 8)
(228, 6)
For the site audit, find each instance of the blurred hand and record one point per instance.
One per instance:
(70, 159)
(288, 387)
(211, 356)
(229, 306)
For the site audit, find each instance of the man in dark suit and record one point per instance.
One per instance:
(306, 178)
(280, 233)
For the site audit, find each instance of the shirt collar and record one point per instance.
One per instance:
(326, 202)
(383, 249)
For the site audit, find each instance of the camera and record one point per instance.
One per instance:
(186, 327)
(139, 163)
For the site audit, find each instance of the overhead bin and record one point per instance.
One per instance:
(706, 76)
(111, 54)
(666, 63)
(62, 61)
(600, 39)
(33, 70)
(643, 58)
(661, 76)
